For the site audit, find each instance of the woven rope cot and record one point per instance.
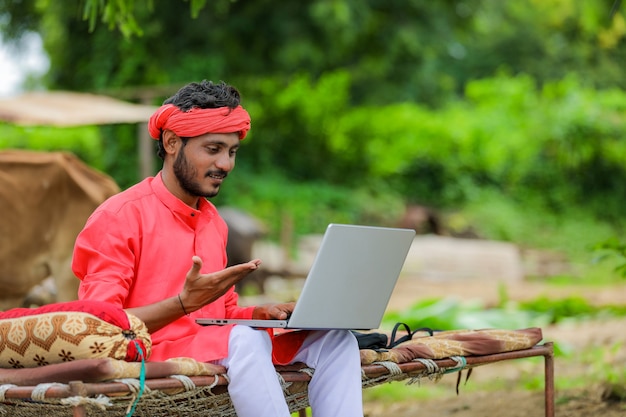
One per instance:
(207, 396)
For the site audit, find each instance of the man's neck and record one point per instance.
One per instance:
(173, 187)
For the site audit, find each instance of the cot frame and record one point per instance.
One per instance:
(376, 373)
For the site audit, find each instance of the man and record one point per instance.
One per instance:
(158, 250)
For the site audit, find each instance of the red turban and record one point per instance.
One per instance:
(197, 121)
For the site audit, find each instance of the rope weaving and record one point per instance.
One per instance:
(432, 370)
(4, 388)
(461, 361)
(39, 393)
(393, 367)
(207, 396)
(134, 385)
(431, 366)
(187, 382)
(101, 401)
(283, 384)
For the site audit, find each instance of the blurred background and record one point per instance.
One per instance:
(476, 122)
(505, 118)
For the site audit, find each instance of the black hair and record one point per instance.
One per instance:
(203, 95)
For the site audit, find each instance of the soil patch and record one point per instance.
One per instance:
(575, 403)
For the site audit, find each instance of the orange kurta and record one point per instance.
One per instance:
(136, 249)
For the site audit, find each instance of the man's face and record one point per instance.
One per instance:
(204, 162)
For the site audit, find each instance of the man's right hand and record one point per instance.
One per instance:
(202, 289)
(198, 291)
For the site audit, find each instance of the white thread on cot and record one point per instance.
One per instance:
(134, 385)
(187, 382)
(39, 392)
(392, 367)
(3, 390)
(101, 401)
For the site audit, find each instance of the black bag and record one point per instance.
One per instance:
(409, 334)
(373, 341)
(380, 341)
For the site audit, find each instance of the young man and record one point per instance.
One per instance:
(158, 250)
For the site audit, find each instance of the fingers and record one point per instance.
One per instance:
(282, 315)
(236, 273)
(273, 311)
(202, 289)
(244, 268)
(254, 264)
(196, 265)
(281, 311)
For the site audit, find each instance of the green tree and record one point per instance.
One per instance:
(395, 50)
(409, 93)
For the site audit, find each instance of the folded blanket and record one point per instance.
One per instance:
(456, 343)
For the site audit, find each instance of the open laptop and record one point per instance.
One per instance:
(350, 282)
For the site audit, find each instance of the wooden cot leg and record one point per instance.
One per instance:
(79, 411)
(549, 381)
(78, 388)
(302, 413)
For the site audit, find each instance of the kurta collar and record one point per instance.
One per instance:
(187, 214)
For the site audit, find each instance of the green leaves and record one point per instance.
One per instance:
(612, 249)
(117, 14)
(448, 313)
(451, 314)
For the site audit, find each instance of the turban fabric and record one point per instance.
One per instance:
(197, 121)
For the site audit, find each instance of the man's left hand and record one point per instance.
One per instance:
(273, 311)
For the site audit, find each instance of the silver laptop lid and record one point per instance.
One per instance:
(352, 277)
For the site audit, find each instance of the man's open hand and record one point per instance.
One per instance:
(202, 289)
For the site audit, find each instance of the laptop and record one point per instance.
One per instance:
(350, 281)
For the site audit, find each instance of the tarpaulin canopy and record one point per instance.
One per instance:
(66, 109)
(61, 108)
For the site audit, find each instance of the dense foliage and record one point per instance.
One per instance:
(361, 106)
(450, 314)
(395, 50)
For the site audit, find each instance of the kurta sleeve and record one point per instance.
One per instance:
(233, 310)
(104, 260)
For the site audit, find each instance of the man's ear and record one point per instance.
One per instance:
(171, 141)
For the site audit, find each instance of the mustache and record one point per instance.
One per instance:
(216, 173)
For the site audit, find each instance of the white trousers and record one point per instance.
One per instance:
(254, 388)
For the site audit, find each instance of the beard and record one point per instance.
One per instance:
(185, 174)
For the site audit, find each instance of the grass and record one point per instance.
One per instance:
(603, 365)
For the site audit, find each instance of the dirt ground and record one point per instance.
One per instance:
(494, 403)
(505, 395)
